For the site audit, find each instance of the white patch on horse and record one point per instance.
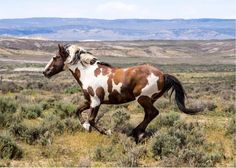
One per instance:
(88, 78)
(102, 82)
(151, 86)
(73, 67)
(95, 101)
(49, 63)
(116, 87)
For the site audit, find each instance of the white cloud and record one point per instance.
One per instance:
(118, 9)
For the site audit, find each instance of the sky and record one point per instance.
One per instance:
(119, 9)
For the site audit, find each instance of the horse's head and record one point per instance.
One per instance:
(68, 56)
(57, 63)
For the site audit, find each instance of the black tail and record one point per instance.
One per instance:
(173, 82)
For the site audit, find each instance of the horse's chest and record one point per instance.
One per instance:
(95, 83)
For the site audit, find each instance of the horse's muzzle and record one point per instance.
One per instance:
(46, 74)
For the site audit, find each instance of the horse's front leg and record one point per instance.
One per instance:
(91, 120)
(80, 109)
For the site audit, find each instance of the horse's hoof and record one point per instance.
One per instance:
(141, 135)
(108, 132)
(87, 126)
(138, 136)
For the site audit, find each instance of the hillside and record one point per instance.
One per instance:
(149, 51)
(121, 29)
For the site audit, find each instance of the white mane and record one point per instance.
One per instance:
(77, 53)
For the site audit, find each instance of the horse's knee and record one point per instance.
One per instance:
(154, 112)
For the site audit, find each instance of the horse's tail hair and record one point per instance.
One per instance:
(175, 84)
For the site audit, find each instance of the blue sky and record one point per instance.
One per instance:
(119, 9)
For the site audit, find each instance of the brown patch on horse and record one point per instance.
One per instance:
(105, 71)
(119, 76)
(104, 68)
(90, 91)
(100, 93)
(109, 83)
(143, 99)
(160, 82)
(115, 97)
(86, 95)
(76, 74)
(97, 71)
(139, 76)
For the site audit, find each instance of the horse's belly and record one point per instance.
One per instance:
(116, 97)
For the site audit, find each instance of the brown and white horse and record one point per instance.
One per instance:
(104, 84)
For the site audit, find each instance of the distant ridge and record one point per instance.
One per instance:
(119, 29)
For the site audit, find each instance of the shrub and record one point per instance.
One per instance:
(46, 138)
(229, 107)
(101, 153)
(165, 144)
(2, 120)
(65, 109)
(131, 153)
(72, 90)
(10, 87)
(8, 114)
(164, 120)
(7, 105)
(31, 111)
(231, 129)
(29, 134)
(183, 143)
(163, 103)
(168, 120)
(17, 130)
(9, 149)
(210, 105)
(120, 120)
(188, 133)
(72, 124)
(45, 104)
(130, 158)
(198, 158)
(53, 124)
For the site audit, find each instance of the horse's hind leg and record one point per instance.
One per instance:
(150, 113)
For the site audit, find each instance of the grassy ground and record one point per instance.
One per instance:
(37, 118)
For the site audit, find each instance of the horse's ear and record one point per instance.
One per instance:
(62, 52)
(60, 48)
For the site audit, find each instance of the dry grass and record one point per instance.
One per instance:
(212, 87)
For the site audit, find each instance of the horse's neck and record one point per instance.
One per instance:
(83, 73)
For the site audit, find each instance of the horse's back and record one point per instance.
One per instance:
(128, 84)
